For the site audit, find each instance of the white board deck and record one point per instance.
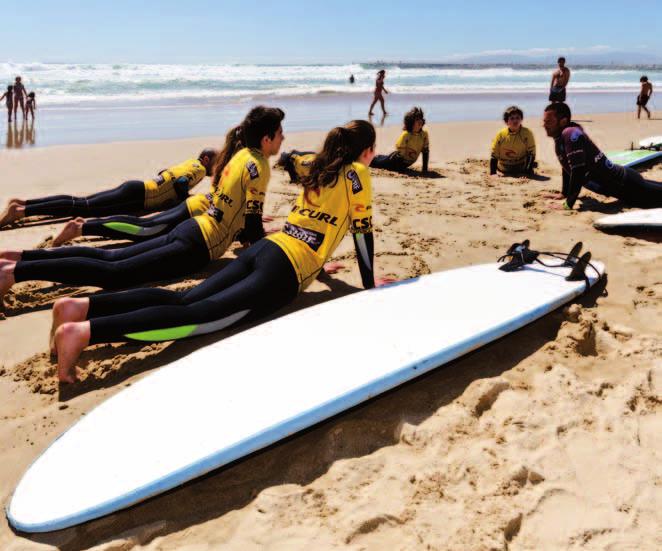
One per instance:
(255, 388)
(653, 141)
(644, 218)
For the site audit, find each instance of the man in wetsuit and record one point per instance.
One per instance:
(560, 79)
(584, 165)
(644, 95)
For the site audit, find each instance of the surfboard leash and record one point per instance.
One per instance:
(519, 255)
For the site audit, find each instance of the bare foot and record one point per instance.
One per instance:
(12, 213)
(16, 201)
(70, 340)
(333, 267)
(71, 230)
(6, 279)
(67, 310)
(12, 255)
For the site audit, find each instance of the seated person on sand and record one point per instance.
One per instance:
(140, 228)
(235, 213)
(584, 165)
(514, 147)
(266, 277)
(169, 187)
(412, 142)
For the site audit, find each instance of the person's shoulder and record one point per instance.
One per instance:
(572, 133)
(527, 132)
(503, 133)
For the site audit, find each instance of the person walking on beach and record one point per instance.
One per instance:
(584, 165)
(644, 95)
(379, 88)
(19, 96)
(8, 96)
(560, 79)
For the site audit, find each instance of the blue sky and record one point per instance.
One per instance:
(337, 31)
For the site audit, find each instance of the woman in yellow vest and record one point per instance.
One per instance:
(514, 147)
(337, 197)
(412, 142)
(235, 212)
(169, 187)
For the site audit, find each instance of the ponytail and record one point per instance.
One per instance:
(233, 143)
(343, 145)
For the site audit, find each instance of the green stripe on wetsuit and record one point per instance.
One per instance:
(168, 334)
(123, 227)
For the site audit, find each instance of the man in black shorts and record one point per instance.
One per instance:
(560, 79)
(644, 95)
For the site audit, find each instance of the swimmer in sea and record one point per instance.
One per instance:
(514, 147)
(413, 141)
(336, 198)
(584, 165)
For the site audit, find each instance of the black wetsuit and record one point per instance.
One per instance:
(584, 165)
(256, 284)
(126, 198)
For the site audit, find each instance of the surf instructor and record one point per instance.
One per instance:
(584, 165)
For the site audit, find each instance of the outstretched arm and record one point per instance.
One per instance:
(364, 245)
(426, 159)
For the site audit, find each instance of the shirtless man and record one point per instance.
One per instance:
(379, 88)
(19, 96)
(560, 79)
(644, 95)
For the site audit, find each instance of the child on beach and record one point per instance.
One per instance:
(514, 147)
(336, 199)
(413, 141)
(31, 105)
(644, 95)
(8, 96)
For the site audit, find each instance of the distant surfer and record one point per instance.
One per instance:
(413, 141)
(336, 198)
(379, 88)
(584, 165)
(352, 79)
(644, 95)
(514, 147)
(560, 79)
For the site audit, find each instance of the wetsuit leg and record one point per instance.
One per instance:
(259, 282)
(127, 198)
(137, 228)
(639, 192)
(181, 252)
(389, 162)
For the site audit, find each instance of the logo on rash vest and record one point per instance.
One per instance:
(222, 198)
(256, 191)
(311, 238)
(316, 215)
(254, 206)
(362, 208)
(356, 181)
(574, 135)
(364, 225)
(252, 170)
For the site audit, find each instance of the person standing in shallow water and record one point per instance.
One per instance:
(644, 95)
(379, 88)
(8, 96)
(20, 96)
(560, 79)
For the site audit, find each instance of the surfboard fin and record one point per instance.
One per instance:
(519, 254)
(573, 255)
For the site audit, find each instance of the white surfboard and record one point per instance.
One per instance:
(644, 218)
(255, 388)
(653, 141)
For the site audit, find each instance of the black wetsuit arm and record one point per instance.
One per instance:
(426, 159)
(493, 165)
(530, 159)
(287, 162)
(364, 244)
(576, 181)
(253, 229)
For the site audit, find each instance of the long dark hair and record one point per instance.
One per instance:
(411, 116)
(343, 145)
(260, 122)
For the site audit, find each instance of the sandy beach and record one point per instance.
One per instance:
(550, 438)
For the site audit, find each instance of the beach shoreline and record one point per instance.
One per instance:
(574, 418)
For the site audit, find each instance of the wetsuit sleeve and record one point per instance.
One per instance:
(253, 229)
(575, 148)
(361, 222)
(256, 179)
(426, 151)
(287, 162)
(364, 244)
(494, 157)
